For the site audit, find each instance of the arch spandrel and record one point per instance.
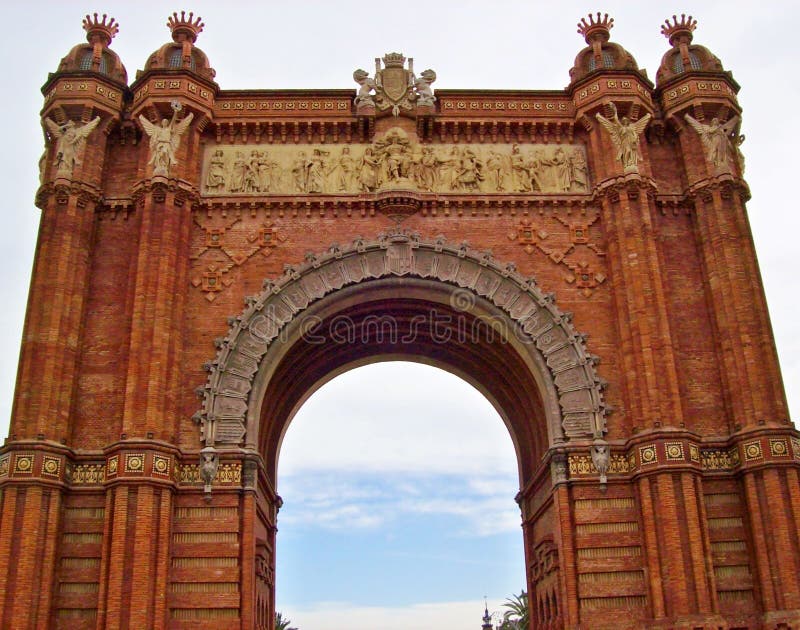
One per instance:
(532, 316)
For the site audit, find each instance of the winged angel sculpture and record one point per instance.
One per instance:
(625, 136)
(165, 139)
(70, 141)
(717, 139)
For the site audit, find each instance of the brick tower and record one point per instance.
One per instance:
(208, 258)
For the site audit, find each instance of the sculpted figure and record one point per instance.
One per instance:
(299, 167)
(494, 165)
(239, 173)
(470, 171)
(427, 169)
(536, 166)
(366, 85)
(450, 170)
(625, 136)
(738, 143)
(601, 457)
(215, 178)
(580, 172)
(423, 85)
(209, 462)
(716, 138)
(345, 171)
(563, 171)
(268, 174)
(520, 175)
(315, 176)
(165, 139)
(251, 173)
(394, 150)
(368, 171)
(70, 140)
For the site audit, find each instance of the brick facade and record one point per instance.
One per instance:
(194, 281)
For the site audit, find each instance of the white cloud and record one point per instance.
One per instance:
(440, 615)
(350, 501)
(398, 417)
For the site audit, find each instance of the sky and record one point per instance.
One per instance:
(421, 519)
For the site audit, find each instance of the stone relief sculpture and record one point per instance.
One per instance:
(165, 139)
(601, 458)
(717, 139)
(70, 142)
(209, 462)
(396, 87)
(625, 136)
(395, 161)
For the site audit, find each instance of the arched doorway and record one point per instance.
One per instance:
(399, 297)
(398, 481)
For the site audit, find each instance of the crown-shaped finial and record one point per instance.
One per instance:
(394, 59)
(184, 27)
(596, 28)
(678, 31)
(100, 30)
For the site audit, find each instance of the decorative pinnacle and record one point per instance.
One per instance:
(596, 28)
(184, 28)
(97, 30)
(679, 32)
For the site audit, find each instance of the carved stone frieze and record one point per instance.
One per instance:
(394, 161)
(226, 395)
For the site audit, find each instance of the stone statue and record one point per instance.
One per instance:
(601, 457)
(422, 84)
(716, 138)
(165, 139)
(366, 85)
(70, 141)
(209, 462)
(625, 136)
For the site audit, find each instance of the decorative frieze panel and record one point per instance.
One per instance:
(394, 161)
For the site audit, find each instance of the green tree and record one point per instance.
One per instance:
(282, 623)
(517, 615)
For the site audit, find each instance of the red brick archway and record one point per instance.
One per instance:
(401, 297)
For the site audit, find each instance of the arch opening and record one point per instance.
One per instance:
(396, 478)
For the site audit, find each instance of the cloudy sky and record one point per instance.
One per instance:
(395, 527)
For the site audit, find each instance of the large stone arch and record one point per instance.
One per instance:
(402, 263)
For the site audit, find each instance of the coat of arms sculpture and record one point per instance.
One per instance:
(396, 87)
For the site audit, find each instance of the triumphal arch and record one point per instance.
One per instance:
(207, 258)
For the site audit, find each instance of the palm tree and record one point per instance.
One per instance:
(517, 614)
(281, 623)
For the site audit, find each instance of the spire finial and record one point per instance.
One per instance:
(679, 32)
(98, 30)
(596, 28)
(184, 27)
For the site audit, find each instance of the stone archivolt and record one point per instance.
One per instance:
(226, 396)
(394, 161)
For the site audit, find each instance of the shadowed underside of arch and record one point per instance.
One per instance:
(397, 296)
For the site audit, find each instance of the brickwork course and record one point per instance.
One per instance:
(208, 258)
